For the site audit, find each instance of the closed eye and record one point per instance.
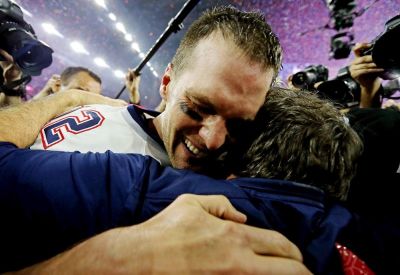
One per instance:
(190, 111)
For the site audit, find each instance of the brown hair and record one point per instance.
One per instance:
(248, 30)
(71, 71)
(304, 139)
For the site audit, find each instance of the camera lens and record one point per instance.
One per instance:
(34, 57)
(31, 55)
(300, 80)
(342, 90)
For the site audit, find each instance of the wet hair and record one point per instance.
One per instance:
(69, 72)
(303, 139)
(248, 30)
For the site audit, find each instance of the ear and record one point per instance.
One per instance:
(166, 79)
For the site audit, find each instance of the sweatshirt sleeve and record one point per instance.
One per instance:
(51, 200)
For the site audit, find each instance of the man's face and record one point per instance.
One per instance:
(82, 81)
(220, 84)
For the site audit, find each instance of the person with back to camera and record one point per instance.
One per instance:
(202, 95)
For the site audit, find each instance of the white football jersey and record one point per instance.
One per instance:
(98, 128)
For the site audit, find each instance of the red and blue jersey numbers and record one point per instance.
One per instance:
(54, 132)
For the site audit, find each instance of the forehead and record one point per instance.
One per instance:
(222, 76)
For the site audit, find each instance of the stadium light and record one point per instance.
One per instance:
(135, 46)
(112, 16)
(101, 63)
(78, 47)
(120, 27)
(128, 37)
(50, 29)
(119, 74)
(101, 3)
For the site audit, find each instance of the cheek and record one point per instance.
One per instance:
(178, 122)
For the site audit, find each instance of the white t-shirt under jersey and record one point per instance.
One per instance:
(98, 128)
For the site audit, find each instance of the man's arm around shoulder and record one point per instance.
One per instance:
(21, 124)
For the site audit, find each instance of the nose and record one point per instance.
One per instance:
(213, 132)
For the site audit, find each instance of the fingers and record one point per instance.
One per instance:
(362, 60)
(261, 241)
(269, 242)
(55, 83)
(359, 48)
(366, 67)
(357, 72)
(363, 65)
(128, 76)
(55, 77)
(131, 75)
(216, 205)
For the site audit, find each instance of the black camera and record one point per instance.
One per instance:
(19, 40)
(343, 90)
(385, 49)
(311, 75)
(385, 54)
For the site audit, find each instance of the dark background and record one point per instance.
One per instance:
(87, 22)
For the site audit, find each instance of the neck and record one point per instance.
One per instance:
(155, 125)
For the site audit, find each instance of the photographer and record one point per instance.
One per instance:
(21, 54)
(366, 73)
(374, 191)
(378, 174)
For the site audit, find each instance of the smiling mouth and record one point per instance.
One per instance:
(193, 149)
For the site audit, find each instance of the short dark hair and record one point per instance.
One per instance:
(248, 30)
(304, 139)
(71, 71)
